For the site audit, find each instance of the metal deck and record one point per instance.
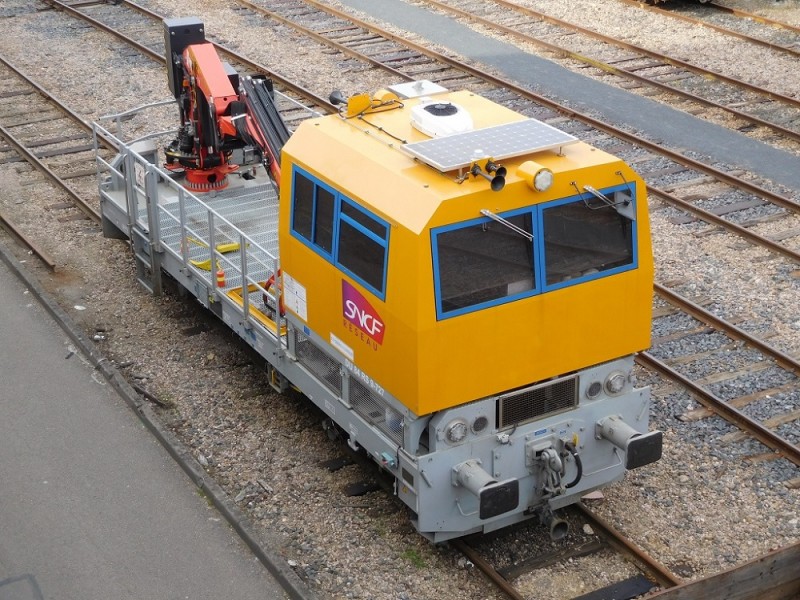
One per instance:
(251, 210)
(217, 244)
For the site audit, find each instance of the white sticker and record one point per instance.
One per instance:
(139, 174)
(342, 347)
(330, 407)
(294, 296)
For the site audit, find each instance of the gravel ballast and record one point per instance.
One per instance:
(264, 449)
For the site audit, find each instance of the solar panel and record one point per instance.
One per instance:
(498, 142)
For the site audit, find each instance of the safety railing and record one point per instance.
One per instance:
(237, 269)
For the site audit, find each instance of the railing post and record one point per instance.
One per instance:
(131, 195)
(212, 247)
(182, 217)
(151, 198)
(245, 282)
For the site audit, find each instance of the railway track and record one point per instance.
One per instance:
(596, 539)
(337, 30)
(732, 352)
(544, 112)
(56, 142)
(770, 33)
(683, 81)
(49, 135)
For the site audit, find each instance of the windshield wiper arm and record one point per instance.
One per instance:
(509, 224)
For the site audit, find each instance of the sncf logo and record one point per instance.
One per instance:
(359, 312)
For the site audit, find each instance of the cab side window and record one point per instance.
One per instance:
(345, 233)
(313, 213)
(363, 244)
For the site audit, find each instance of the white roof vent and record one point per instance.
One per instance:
(440, 119)
(416, 89)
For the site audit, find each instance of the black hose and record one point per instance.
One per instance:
(571, 448)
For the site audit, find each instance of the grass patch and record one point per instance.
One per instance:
(413, 556)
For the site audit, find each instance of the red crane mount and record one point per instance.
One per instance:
(226, 123)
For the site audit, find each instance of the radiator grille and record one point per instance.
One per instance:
(534, 402)
(320, 364)
(375, 411)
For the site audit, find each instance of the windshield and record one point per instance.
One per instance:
(492, 260)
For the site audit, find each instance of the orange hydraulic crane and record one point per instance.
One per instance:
(226, 121)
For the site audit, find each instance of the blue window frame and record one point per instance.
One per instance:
(582, 239)
(344, 233)
(481, 263)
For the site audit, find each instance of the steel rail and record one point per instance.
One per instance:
(102, 26)
(701, 314)
(662, 574)
(710, 217)
(107, 142)
(569, 112)
(15, 231)
(34, 160)
(651, 53)
(717, 28)
(609, 68)
(486, 568)
(716, 405)
(761, 19)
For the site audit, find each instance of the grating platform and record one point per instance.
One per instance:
(241, 215)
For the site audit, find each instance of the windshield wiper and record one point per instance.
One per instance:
(509, 224)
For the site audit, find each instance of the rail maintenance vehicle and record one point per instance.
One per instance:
(461, 289)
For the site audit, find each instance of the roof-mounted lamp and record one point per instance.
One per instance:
(538, 177)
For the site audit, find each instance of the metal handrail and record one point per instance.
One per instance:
(253, 256)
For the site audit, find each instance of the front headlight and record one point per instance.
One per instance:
(456, 431)
(615, 383)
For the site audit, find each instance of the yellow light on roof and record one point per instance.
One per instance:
(538, 177)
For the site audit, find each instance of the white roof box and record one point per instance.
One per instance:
(415, 89)
(440, 118)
